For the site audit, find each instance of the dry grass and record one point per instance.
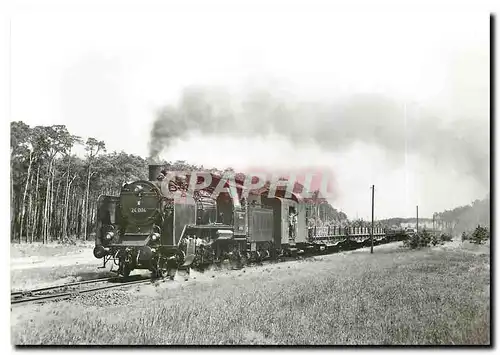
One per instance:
(42, 277)
(39, 265)
(431, 296)
(47, 250)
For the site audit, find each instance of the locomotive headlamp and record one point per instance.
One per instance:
(109, 235)
(155, 237)
(138, 189)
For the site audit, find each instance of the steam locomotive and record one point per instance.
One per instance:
(164, 227)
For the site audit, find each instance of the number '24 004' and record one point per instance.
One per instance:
(137, 210)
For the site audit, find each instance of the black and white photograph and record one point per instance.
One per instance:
(189, 173)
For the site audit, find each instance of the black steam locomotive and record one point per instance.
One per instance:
(164, 227)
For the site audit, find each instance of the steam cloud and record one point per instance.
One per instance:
(462, 145)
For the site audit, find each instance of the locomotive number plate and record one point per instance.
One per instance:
(138, 210)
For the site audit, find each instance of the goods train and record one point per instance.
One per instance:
(163, 227)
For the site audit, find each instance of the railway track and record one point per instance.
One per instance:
(69, 290)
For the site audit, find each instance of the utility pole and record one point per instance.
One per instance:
(373, 197)
(417, 219)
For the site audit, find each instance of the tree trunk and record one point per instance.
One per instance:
(75, 209)
(46, 207)
(35, 217)
(66, 223)
(92, 214)
(66, 202)
(23, 207)
(79, 216)
(29, 224)
(12, 214)
(16, 218)
(51, 203)
(56, 214)
(85, 205)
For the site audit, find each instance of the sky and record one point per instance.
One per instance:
(107, 75)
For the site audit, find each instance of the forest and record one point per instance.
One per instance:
(54, 192)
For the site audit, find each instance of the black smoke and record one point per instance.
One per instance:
(462, 145)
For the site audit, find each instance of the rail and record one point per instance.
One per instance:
(60, 292)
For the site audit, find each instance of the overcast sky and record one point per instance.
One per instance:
(106, 75)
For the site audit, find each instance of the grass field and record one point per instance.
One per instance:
(395, 296)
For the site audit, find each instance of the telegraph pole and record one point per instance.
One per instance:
(373, 197)
(417, 219)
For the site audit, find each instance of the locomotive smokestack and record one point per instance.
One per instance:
(154, 171)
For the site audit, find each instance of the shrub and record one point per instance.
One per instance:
(435, 240)
(425, 239)
(446, 237)
(411, 241)
(479, 235)
(417, 240)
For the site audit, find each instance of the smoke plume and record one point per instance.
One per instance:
(461, 144)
